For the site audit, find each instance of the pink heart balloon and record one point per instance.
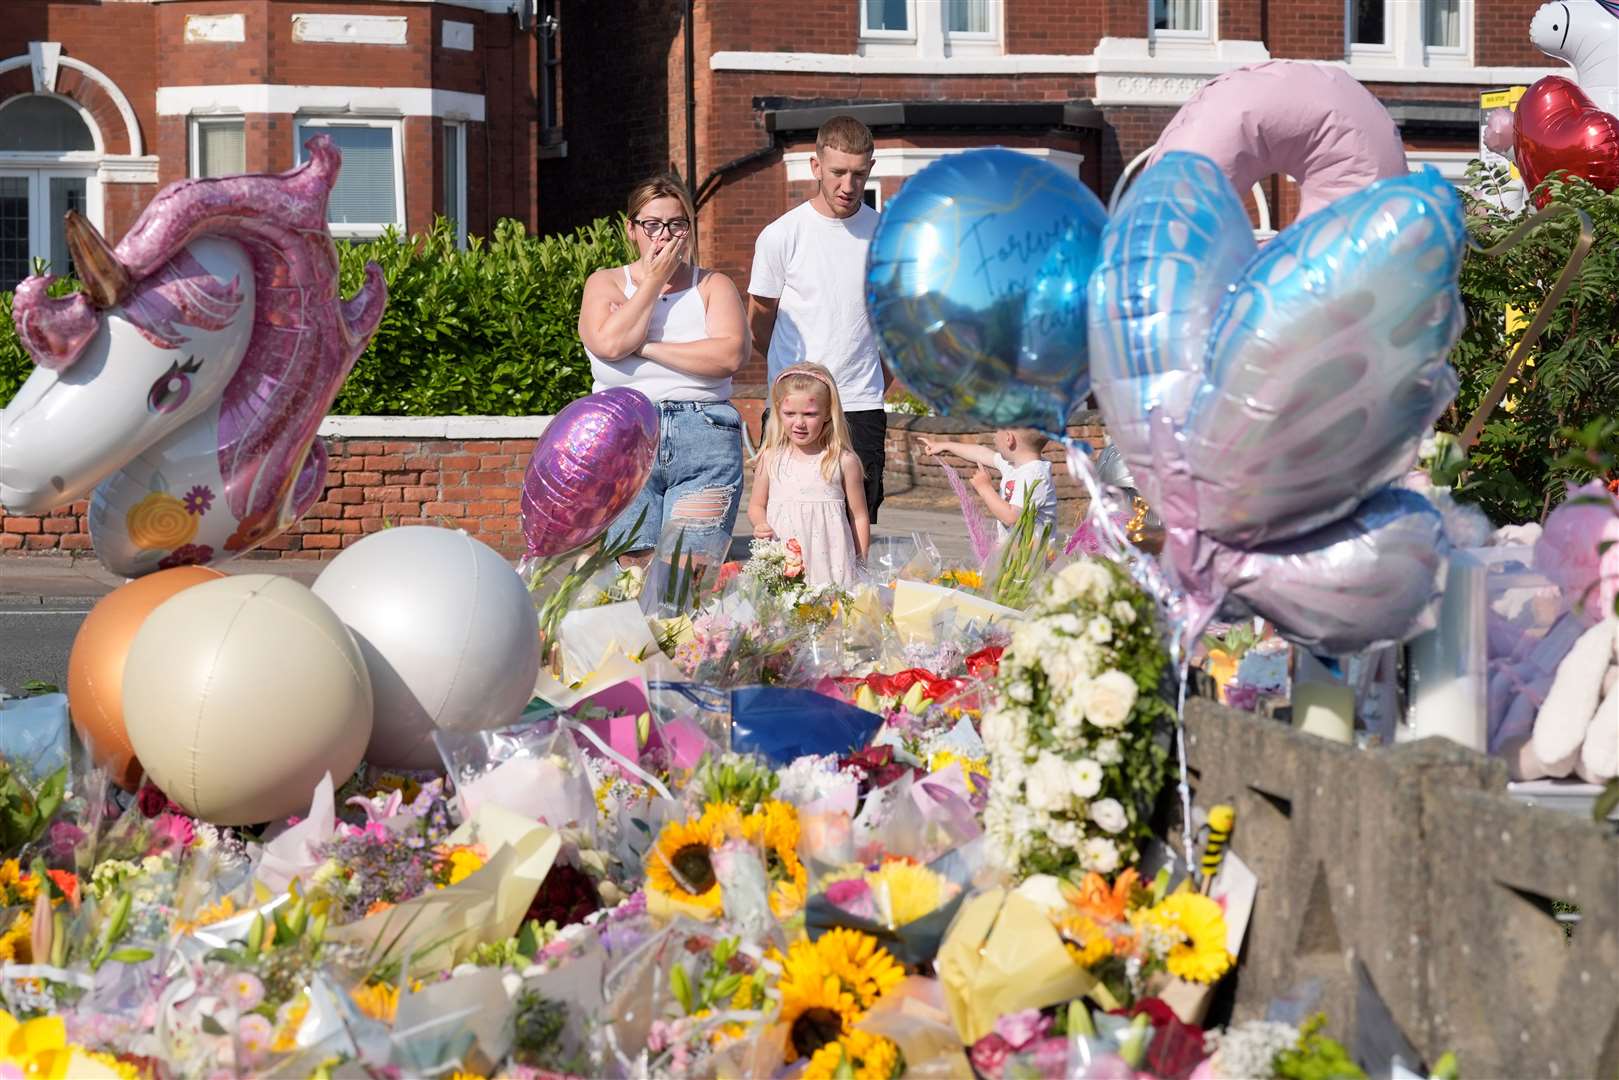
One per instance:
(592, 461)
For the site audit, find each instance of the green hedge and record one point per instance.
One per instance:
(492, 330)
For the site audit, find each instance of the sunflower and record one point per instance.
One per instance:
(1200, 954)
(16, 944)
(680, 865)
(379, 1001)
(858, 1054)
(1086, 942)
(815, 1006)
(16, 887)
(865, 968)
(909, 891)
(774, 828)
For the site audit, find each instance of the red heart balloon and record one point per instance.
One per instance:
(1557, 127)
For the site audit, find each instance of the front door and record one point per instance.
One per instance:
(33, 203)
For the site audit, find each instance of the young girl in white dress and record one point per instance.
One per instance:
(808, 485)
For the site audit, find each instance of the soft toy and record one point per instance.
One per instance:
(1554, 711)
(1585, 34)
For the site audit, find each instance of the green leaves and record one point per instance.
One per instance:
(1532, 446)
(25, 810)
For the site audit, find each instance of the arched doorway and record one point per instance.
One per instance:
(49, 154)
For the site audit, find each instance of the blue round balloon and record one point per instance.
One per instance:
(976, 282)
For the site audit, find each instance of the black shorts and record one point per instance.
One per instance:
(868, 429)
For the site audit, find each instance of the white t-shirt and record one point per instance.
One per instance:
(1026, 483)
(816, 266)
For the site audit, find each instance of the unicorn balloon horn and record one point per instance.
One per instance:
(185, 383)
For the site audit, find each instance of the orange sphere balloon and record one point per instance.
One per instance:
(95, 667)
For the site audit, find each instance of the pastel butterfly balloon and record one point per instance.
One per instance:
(1266, 400)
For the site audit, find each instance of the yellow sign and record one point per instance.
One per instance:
(1499, 99)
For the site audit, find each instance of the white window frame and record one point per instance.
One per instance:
(194, 127)
(906, 35)
(874, 188)
(349, 230)
(990, 40)
(1205, 36)
(459, 212)
(1405, 23)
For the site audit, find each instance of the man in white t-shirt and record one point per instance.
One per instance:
(807, 296)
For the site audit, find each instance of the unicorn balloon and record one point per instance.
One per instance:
(186, 382)
(1585, 33)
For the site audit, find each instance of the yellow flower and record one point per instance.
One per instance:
(908, 891)
(16, 887)
(858, 1054)
(680, 868)
(865, 968)
(974, 770)
(1200, 955)
(1086, 942)
(40, 1049)
(464, 862)
(16, 944)
(380, 1001)
(774, 828)
(814, 1004)
(207, 916)
(291, 1018)
(160, 521)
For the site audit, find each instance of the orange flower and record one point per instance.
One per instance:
(1102, 902)
(68, 883)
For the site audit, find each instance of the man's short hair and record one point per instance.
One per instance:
(844, 133)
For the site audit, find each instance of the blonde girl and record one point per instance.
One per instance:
(808, 485)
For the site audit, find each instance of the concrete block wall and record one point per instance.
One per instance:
(1413, 864)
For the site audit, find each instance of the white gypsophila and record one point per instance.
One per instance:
(1112, 696)
(1069, 719)
(1099, 854)
(1030, 640)
(1109, 815)
(1123, 612)
(1099, 630)
(1049, 783)
(1086, 777)
(1020, 690)
(1250, 1050)
(1108, 752)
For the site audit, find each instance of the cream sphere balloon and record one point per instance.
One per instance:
(448, 631)
(241, 694)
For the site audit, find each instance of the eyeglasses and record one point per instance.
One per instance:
(654, 228)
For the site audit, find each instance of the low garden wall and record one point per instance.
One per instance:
(1408, 875)
(466, 472)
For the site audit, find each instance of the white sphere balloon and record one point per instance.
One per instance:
(449, 634)
(241, 694)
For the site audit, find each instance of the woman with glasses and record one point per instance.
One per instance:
(677, 333)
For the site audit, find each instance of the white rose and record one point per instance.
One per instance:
(1086, 777)
(1099, 630)
(1086, 578)
(1112, 696)
(1020, 691)
(1068, 624)
(1124, 612)
(1064, 833)
(1099, 854)
(1070, 715)
(1109, 814)
(1049, 783)
(1108, 752)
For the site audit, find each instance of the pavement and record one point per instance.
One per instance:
(43, 599)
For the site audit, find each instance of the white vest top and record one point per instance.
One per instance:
(676, 317)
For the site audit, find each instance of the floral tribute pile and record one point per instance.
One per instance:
(934, 860)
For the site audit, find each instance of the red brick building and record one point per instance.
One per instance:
(1088, 84)
(434, 103)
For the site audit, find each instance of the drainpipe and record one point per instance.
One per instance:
(691, 98)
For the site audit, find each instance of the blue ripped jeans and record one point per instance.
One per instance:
(697, 476)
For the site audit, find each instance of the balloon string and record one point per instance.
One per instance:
(1183, 671)
(614, 755)
(1498, 391)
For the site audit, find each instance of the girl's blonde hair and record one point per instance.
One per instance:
(809, 379)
